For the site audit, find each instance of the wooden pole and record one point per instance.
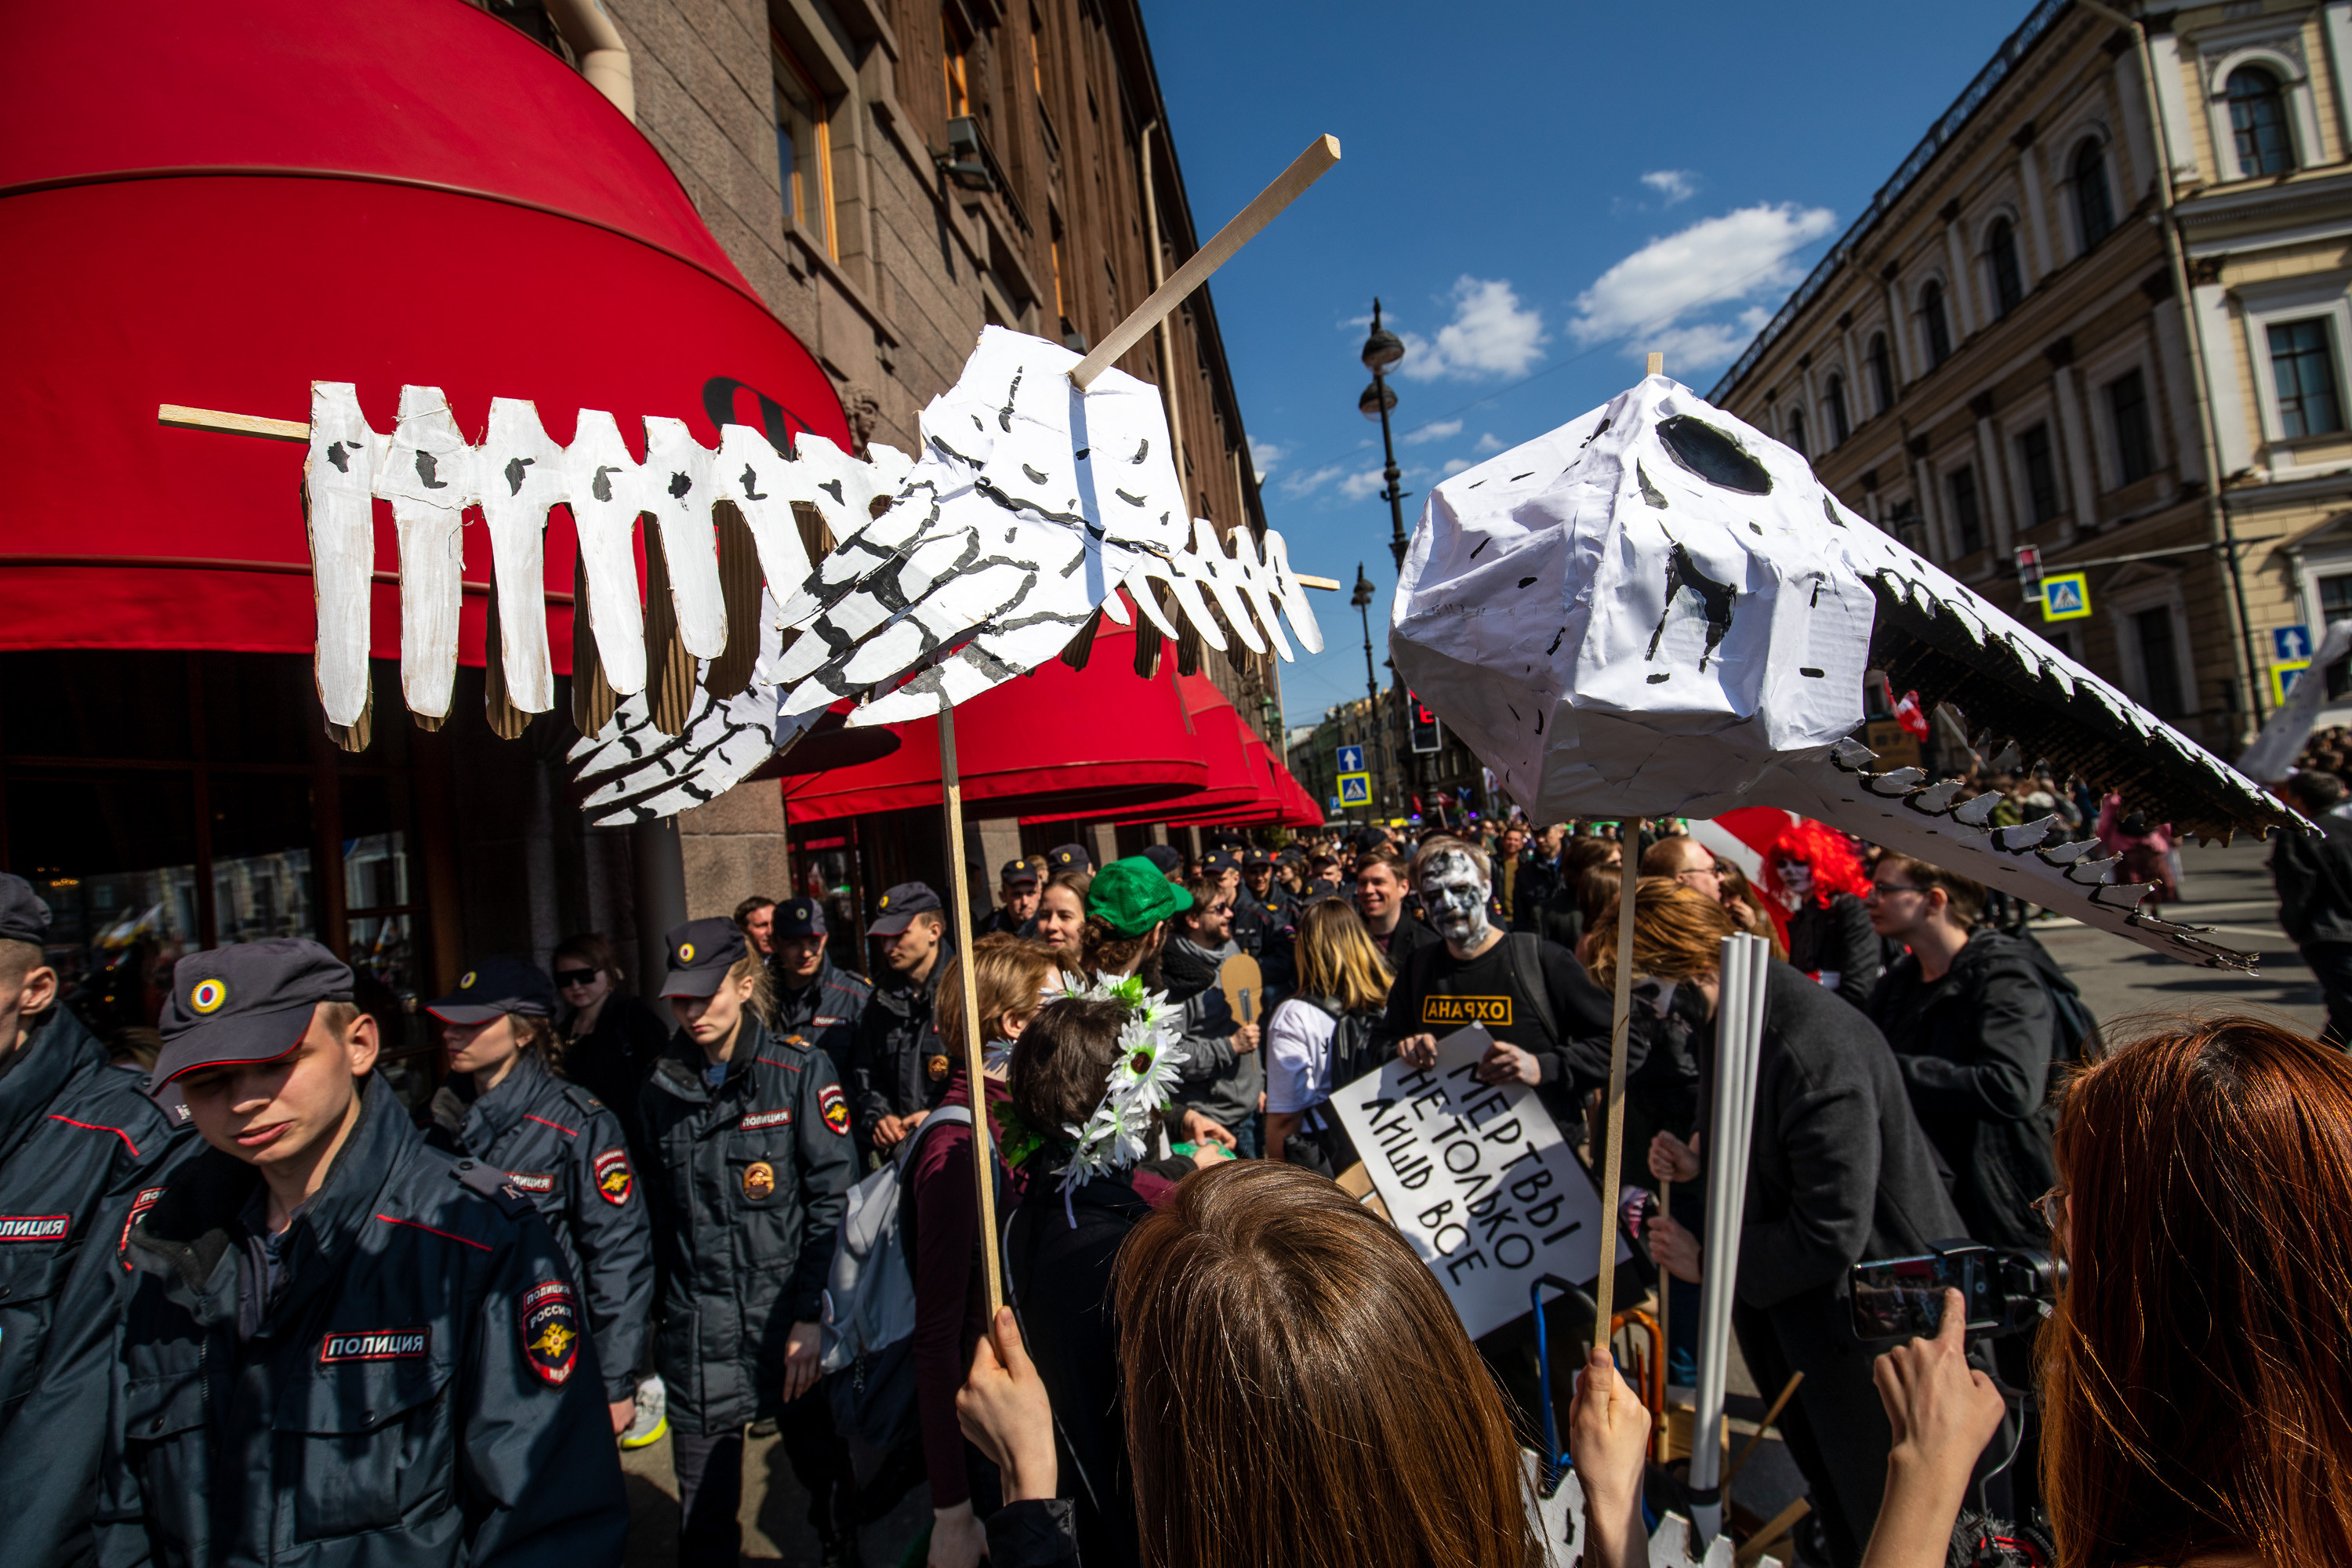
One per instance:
(1788, 1391)
(183, 418)
(1665, 1337)
(1604, 1289)
(1305, 170)
(975, 1060)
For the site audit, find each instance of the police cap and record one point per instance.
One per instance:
(248, 1003)
(1070, 858)
(700, 954)
(1018, 874)
(899, 906)
(24, 915)
(493, 986)
(798, 917)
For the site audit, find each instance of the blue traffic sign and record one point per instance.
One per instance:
(1351, 758)
(2291, 643)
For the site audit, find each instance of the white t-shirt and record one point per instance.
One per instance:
(1298, 1057)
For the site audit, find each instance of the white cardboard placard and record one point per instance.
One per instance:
(1477, 1178)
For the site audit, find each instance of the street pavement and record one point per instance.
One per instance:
(2227, 889)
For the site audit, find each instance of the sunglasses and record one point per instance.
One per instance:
(571, 977)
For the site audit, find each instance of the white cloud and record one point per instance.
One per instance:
(1488, 443)
(1740, 256)
(1265, 455)
(1439, 431)
(1308, 483)
(1491, 334)
(1674, 185)
(1455, 465)
(1363, 486)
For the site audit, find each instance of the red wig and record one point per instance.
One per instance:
(1836, 867)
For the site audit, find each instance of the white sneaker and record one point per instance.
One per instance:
(652, 1418)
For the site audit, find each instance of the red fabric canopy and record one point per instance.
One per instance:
(1245, 779)
(219, 206)
(1061, 743)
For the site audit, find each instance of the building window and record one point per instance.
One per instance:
(1061, 300)
(1967, 523)
(951, 58)
(2258, 122)
(2303, 368)
(1835, 395)
(1797, 432)
(804, 158)
(2160, 663)
(2008, 282)
(1938, 330)
(1882, 373)
(2134, 442)
(2094, 213)
(2334, 604)
(2040, 473)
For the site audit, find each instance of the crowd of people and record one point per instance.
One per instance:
(280, 1313)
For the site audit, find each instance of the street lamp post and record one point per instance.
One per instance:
(1381, 351)
(1362, 601)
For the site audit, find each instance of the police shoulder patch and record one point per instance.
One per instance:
(834, 1108)
(614, 1178)
(549, 1322)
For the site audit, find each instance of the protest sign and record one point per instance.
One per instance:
(1477, 1178)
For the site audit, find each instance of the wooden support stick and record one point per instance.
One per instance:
(1329, 585)
(1604, 1289)
(975, 1060)
(1305, 170)
(1666, 1336)
(1757, 1437)
(182, 418)
(1780, 1524)
(1657, 365)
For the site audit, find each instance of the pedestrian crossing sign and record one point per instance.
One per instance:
(1355, 789)
(2065, 597)
(2282, 678)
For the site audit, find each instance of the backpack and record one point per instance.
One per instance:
(1326, 1150)
(869, 1303)
(2074, 1030)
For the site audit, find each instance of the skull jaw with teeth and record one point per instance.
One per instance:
(1656, 610)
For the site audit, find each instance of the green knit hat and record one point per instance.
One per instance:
(1133, 895)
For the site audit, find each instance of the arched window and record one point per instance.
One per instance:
(2093, 210)
(2000, 251)
(1882, 374)
(1840, 425)
(1938, 330)
(2258, 121)
(1797, 432)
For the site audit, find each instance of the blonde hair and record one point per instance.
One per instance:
(762, 1000)
(1678, 932)
(1336, 958)
(1013, 974)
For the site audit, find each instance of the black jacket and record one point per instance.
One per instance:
(1974, 1049)
(1572, 1054)
(826, 1013)
(898, 1046)
(1836, 939)
(611, 1060)
(80, 1145)
(1838, 1172)
(1058, 1266)
(2314, 876)
(562, 1148)
(749, 1183)
(407, 1396)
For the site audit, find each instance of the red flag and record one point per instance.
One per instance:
(1910, 715)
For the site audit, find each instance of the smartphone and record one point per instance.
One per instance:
(1903, 1298)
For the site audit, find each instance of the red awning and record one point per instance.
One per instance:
(219, 206)
(1059, 742)
(1245, 780)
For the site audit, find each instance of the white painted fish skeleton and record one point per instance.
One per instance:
(1658, 610)
(1032, 506)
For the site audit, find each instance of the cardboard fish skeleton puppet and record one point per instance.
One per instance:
(1035, 507)
(1658, 610)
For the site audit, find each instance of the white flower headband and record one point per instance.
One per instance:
(1141, 1075)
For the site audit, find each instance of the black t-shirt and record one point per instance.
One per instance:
(1567, 1031)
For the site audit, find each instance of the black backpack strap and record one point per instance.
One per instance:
(1523, 949)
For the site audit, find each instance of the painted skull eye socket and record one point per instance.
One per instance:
(1713, 456)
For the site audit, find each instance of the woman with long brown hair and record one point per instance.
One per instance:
(1062, 915)
(2196, 1378)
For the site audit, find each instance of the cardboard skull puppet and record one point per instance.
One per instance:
(1658, 610)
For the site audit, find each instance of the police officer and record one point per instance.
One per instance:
(345, 1346)
(754, 1164)
(1015, 913)
(901, 1068)
(818, 1003)
(79, 1146)
(560, 1146)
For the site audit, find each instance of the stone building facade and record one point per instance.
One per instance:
(1994, 354)
(891, 176)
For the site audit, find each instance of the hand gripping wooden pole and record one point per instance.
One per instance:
(1604, 1289)
(975, 1059)
(1305, 170)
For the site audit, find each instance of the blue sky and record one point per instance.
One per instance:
(1538, 193)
